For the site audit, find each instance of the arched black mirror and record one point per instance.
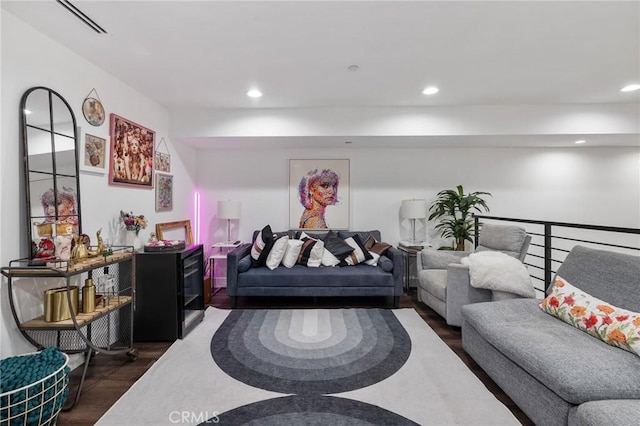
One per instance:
(52, 184)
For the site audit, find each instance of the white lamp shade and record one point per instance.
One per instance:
(229, 209)
(413, 209)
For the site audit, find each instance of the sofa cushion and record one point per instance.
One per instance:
(376, 246)
(572, 364)
(277, 253)
(261, 246)
(301, 276)
(291, 253)
(385, 263)
(244, 264)
(336, 246)
(615, 326)
(600, 271)
(622, 412)
(310, 252)
(491, 238)
(359, 253)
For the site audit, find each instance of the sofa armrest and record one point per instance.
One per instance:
(460, 293)
(430, 258)
(233, 258)
(397, 257)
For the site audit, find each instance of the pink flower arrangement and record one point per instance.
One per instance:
(132, 222)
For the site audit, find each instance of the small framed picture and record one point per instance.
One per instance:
(93, 111)
(93, 154)
(164, 192)
(163, 162)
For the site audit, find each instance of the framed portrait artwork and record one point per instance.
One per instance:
(131, 159)
(93, 154)
(319, 194)
(164, 192)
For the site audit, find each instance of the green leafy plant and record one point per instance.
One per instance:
(453, 210)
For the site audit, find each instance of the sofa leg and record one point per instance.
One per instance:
(234, 302)
(396, 302)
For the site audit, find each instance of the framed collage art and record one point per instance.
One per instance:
(131, 159)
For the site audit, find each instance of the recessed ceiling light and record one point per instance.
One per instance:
(254, 93)
(353, 67)
(580, 142)
(431, 90)
(630, 88)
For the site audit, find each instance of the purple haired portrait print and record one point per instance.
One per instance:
(317, 190)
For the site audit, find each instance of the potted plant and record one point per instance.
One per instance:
(453, 209)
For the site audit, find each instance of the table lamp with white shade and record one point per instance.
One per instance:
(414, 210)
(229, 210)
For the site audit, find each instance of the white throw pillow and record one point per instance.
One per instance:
(291, 253)
(374, 261)
(277, 252)
(328, 259)
(315, 257)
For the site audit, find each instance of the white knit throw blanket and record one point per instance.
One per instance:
(493, 270)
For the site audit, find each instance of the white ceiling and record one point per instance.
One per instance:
(207, 54)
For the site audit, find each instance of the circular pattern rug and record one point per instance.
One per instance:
(309, 410)
(318, 351)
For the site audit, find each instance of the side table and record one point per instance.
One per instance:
(411, 251)
(220, 251)
(409, 265)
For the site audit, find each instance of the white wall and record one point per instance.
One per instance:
(599, 186)
(32, 59)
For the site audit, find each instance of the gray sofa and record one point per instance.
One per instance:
(300, 280)
(555, 373)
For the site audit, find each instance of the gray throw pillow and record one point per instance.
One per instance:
(385, 263)
(244, 264)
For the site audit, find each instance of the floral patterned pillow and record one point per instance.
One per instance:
(615, 326)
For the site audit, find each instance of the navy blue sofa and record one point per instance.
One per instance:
(323, 281)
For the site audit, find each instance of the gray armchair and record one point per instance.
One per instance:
(443, 282)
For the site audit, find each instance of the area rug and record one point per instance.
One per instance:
(309, 366)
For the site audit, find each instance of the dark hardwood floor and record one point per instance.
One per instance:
(109, 377)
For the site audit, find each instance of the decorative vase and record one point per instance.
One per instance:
(131, 238)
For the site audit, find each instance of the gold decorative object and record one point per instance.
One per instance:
(56, 306)
(79, 250)
(100, 248)
(88, 296)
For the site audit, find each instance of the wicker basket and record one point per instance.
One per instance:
(38, 403)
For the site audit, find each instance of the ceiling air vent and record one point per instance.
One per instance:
(81, 16)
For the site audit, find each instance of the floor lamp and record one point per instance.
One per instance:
(414, 210)
(229, 210)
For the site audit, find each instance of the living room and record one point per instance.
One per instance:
(523, 153)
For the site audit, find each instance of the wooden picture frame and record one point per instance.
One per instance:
(309, 182)
(93, 154)
(162, 228)
(164, 192)
(132, 154)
